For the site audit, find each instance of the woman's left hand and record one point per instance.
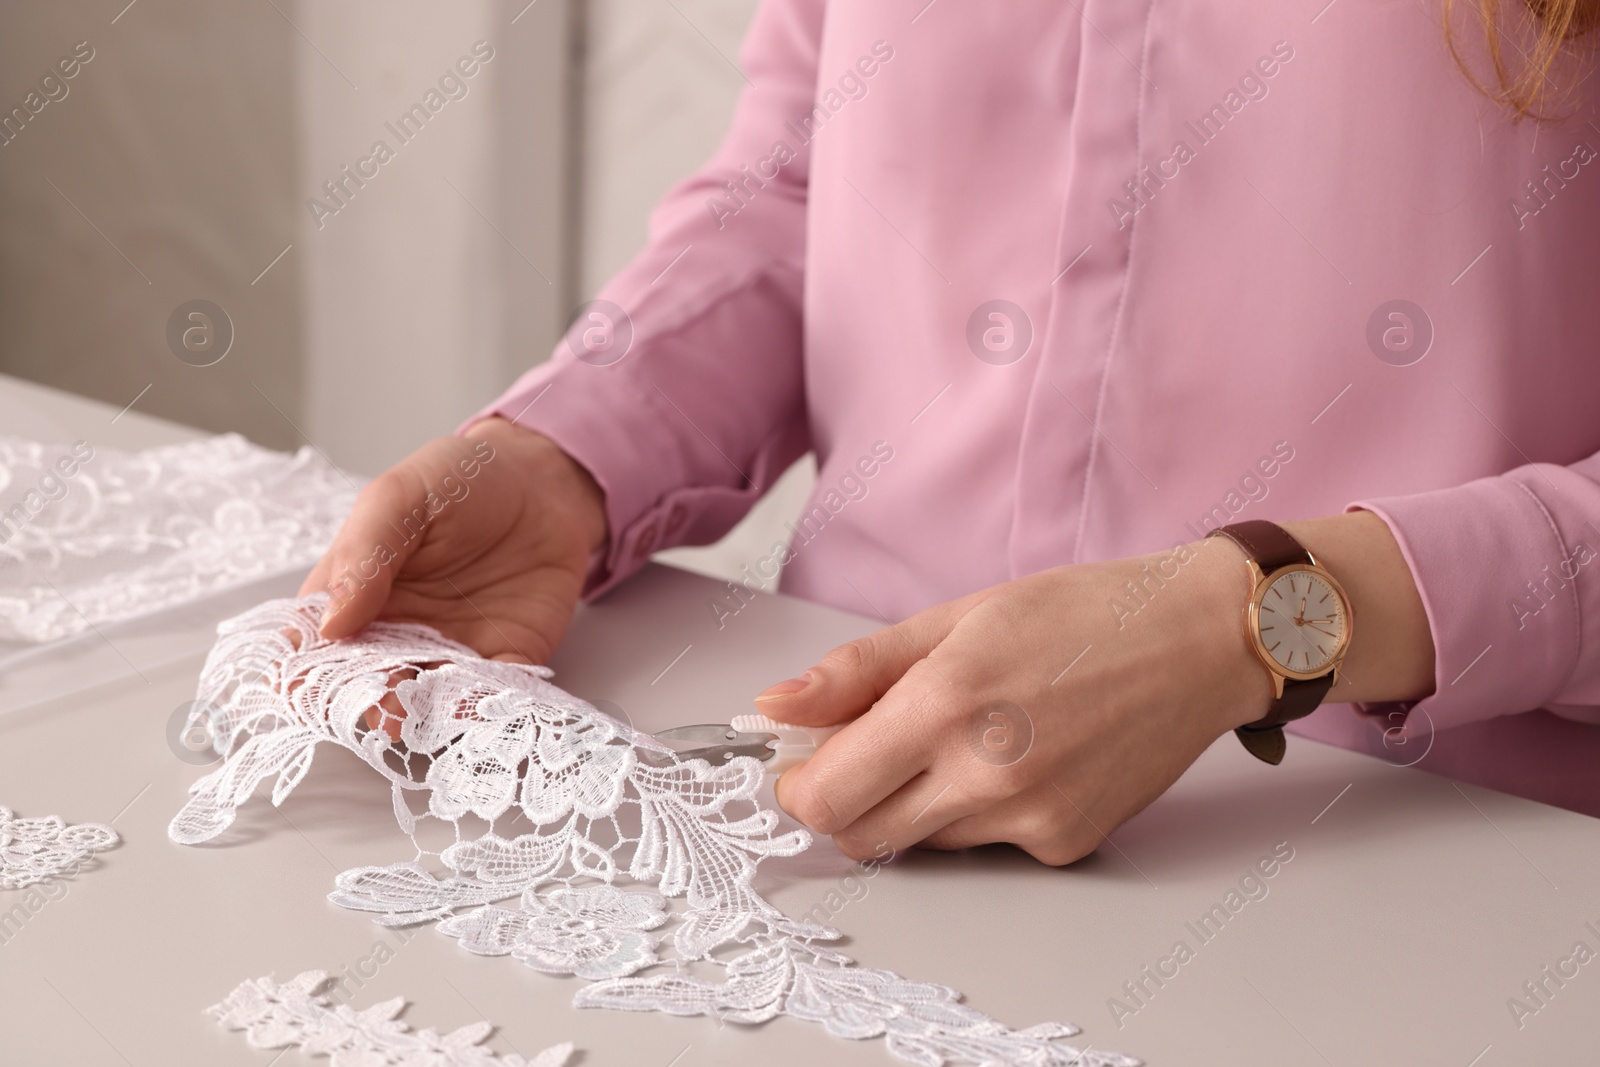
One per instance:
(1046, 711)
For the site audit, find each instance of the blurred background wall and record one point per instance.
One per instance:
(186, 159)
(168, 170)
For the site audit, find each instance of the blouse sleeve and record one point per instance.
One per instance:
(1506, 569)
(680, 388)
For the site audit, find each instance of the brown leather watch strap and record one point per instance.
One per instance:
(1272, 547)
(1269, 544)
(1264, 738)
(1300, 698)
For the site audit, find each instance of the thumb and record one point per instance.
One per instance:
(854, 676)
(360, 566)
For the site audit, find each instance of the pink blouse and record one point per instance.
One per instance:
(1044, 283)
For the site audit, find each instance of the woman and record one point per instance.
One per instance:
(1053, 292)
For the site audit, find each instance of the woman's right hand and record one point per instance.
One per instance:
(485, 537)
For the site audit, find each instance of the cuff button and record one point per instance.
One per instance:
(646, 542)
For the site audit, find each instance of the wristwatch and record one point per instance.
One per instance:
(1298, 622)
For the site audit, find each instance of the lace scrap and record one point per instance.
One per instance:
(36, 850)
(293, 1015)
(92, 536)
(545, 804)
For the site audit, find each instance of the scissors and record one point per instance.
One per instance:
(778, 745)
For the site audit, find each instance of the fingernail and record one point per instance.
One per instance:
(785, 688)
(333, 607)
(777, 793)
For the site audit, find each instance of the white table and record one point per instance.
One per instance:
(1411, 911)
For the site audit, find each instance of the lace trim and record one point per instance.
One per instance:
(292, 1015)
(546, 803)
(36, 850)
(89, 537)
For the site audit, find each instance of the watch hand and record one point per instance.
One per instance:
(1305, 642)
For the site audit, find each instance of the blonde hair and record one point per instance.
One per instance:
(1525, 84)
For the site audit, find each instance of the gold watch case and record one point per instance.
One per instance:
(1252, 623)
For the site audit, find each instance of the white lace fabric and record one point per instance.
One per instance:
(549, 807)
(294, 1015)
(37, 850)
(129, 534)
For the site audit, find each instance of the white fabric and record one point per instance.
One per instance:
(128, 534)
(293, 1015)
(549, 803)
(36, 850)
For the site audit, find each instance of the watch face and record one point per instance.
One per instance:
(1302, 622)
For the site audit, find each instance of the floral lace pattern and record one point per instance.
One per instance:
(293, 1015)
(36, 850)
(90, 536)
(549, 804)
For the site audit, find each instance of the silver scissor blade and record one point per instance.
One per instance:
(713, 742)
